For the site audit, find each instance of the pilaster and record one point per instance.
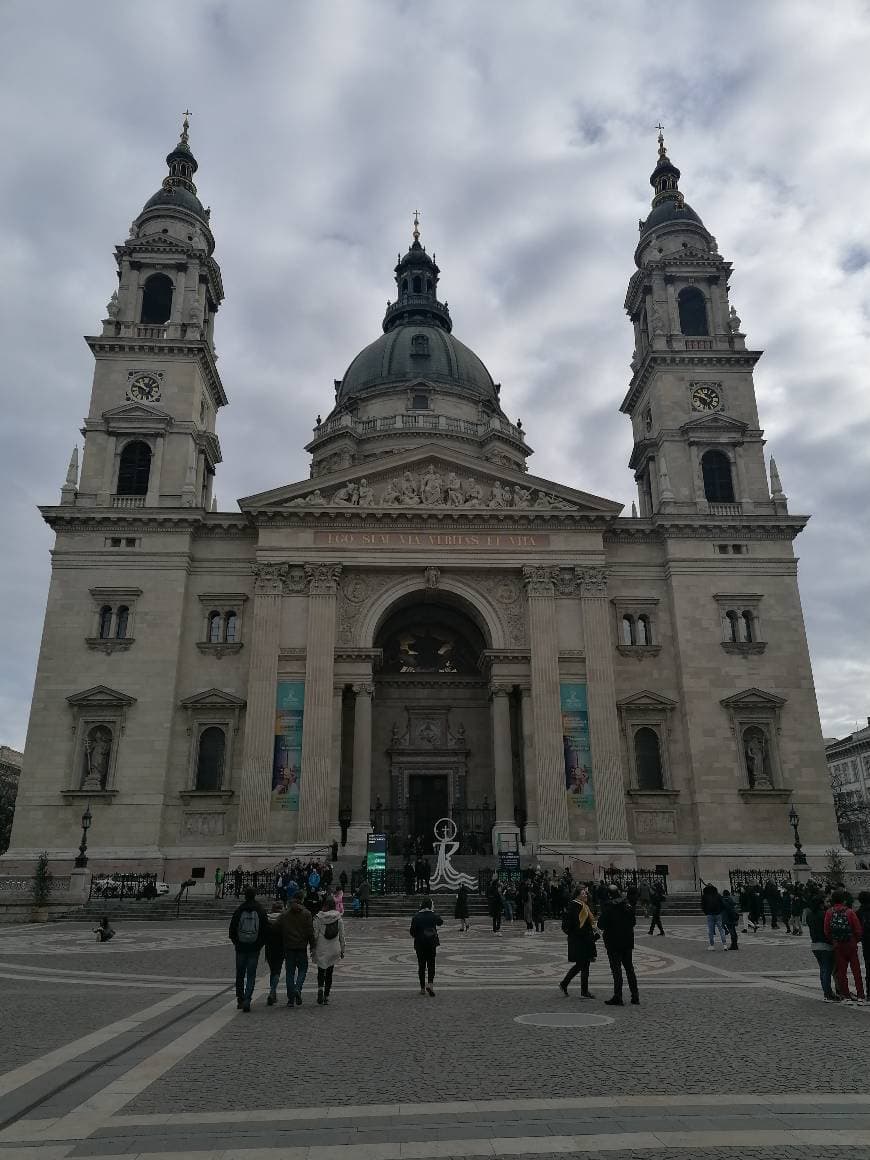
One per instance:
(361, 791)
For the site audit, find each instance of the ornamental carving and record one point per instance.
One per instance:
(322, 579)
(431, 488)
(203, 825)
(593, 581)
(432, 577)
(505, 593)
(364, 690)
(269, 579)
(354, 591)
(540, 579)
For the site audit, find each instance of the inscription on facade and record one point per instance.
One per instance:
(500, 541)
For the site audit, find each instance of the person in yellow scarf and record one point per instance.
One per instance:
(579, 925)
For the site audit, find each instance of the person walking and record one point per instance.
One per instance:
(494, 903)
(711, 905)
(798, 904)
(363, 893)
(424, 932)
(328, 948)
(297, 932)
(772, 898)
(274, 947)
(460, 911)
(338, 898)
(539, 908)
(578, 923)
(616, 923)
(730, 917)
(843, 928)
(409, 876)
(755, 907)
(528, 908)
(218, 882)
(820, 943)
(656, 898)
(248, 929)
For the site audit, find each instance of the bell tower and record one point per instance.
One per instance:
(698, 447)
(150, 430)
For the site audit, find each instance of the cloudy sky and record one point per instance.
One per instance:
(524, 131)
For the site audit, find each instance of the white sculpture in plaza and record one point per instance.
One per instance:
(445, 877)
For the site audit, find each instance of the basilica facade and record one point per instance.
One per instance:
(422, 628)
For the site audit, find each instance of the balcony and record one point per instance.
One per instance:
(699, 344)
(725, 509)
(128, 501)
(150, 332)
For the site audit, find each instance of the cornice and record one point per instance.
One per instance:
(449, 518)
(654, 359)
(80, 519)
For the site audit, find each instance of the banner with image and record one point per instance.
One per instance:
(287, 763)
(575, 740)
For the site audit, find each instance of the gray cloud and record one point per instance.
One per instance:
(527, 142)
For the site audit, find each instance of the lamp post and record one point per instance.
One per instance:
(800, 858)
(82, 860)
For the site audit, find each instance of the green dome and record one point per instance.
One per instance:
(411, 352)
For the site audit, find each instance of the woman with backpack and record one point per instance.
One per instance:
(424, 932)
(328, 947)
(578, 924)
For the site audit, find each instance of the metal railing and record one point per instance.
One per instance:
(626, 878)
(127, 885)
(473, 829)
(757, 877)
(128, 501)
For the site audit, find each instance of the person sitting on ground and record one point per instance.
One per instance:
(104, 931)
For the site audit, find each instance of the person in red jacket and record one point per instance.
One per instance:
(843, 928)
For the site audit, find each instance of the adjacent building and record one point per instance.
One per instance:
(423, 628)
(849, 770)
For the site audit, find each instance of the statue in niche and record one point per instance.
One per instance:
(410, 495)
(431, 488)
(391, 495)
(522, 496)
(455, 495)
(347, 495)
(757, 761)
(473, 493)
(98, 750)
(365, 494)
(501, 497)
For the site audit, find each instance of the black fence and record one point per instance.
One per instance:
(625, 878)
(128, 886)
(740, 879)
(473, 830)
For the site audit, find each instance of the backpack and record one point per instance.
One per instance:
(249, 927)
(841, 928)
(566, 922)
(330, 931)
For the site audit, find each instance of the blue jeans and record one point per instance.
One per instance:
(825, 959)
(246, 972)
(297, 969)
(508, 908)
(714, 923)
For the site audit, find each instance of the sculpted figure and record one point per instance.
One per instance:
(391, 494)
(410, 496)
(112, 305)
(543, 501)
(349, 494)
(316, 497)
(501, 497)
(522, 496)
(455, 496)
(473, 493)
(431, 489)
(365, 495)
(734, 321)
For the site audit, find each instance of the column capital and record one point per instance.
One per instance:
(363, 690)
(540, 579)
(269, 579)
(322, 579)
(593, 581)
(500, 689)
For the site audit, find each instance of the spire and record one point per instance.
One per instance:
(417, 283)
(665, 492)
(775, 483)
(182, 163)
(69, 491)
(665, 177)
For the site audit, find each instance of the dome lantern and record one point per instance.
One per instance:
(417, 284)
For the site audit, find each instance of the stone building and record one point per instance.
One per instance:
(10, 773)
(849, 772)
(423, 627)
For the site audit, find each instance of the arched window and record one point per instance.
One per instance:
(210, 760)
(214, 627)
(134, 469)
(417, 284)
(733, 633)
(232, 627)
(105, 622)
(643, 636)
(648, 759)
(747, 626)
(156, 300)
(628, 630)
(121, 622)
(716, 469)
(693, 311)
(420, 344)
(404, 285)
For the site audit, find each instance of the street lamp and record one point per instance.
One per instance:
(800, 858)
(87, 817)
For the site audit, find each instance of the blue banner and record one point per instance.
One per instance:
(287, 763)
(575, 740)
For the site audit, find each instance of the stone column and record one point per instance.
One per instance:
(322, 582)
(499, 695)
(529, 766)
(546, 708)
(361, 797)
(607, 777)
(335, 760)
(255, 794)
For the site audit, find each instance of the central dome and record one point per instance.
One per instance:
(416, 351)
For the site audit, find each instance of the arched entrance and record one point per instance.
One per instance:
(431, 731)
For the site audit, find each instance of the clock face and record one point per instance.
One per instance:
(705, 399)
(145, 388)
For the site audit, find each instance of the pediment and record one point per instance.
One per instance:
(716, 422)
(647, 699)
(100, 696)
(137, 415)
(753, 699)
(431, 477)
(213, 699)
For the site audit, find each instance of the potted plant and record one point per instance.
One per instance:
(42, 879)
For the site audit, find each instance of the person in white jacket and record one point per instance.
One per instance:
(329, 944)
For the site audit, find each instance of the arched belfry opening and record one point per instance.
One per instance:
(431, 731)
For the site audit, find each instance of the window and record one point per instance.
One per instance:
(635, 626)
(737, 549)
(693, 311)
(733, 633)
(404, 285)
(105, 625)
(232, 627)
(628, 630)
(417, 284)
(215, 627)
(648, 759)
(210, 760)
(716, 469)
(746, 626)
(221, 630)
(419, 402)
(134, 469)
(156, 300)
(420, 345)
(122, 618)
(740, 616)
(111, 626)
(643, 633)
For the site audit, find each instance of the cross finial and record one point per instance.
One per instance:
(661, 130)
(185, 125)
(416, 225)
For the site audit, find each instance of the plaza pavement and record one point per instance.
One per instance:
(135, 1049)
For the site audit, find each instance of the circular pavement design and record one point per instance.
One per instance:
(563, 1019)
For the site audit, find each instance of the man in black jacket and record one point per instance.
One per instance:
(616, 923)
(248, 930)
